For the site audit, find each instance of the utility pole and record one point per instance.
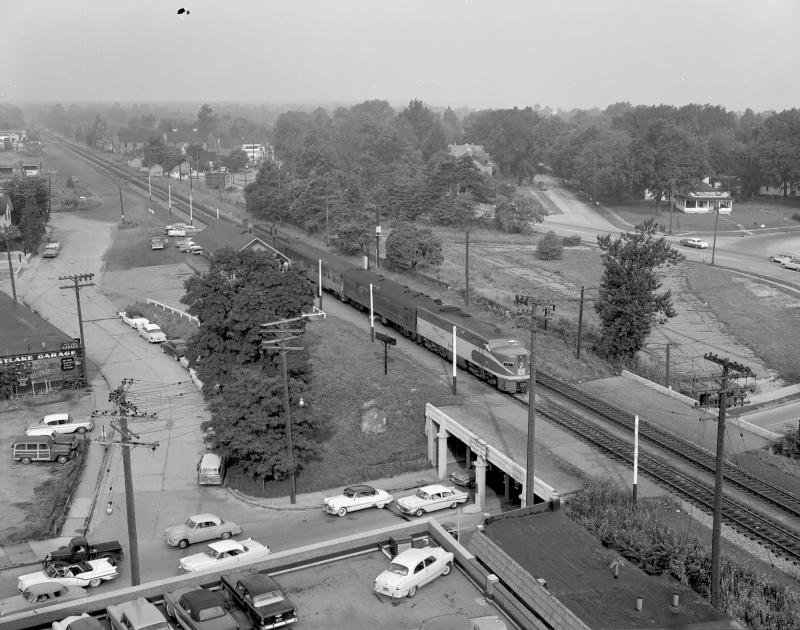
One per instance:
(377, 236)
(277, 344)
(671, 203)
(730, 370)
(529, 465)
(580, 327)
(466, 269)
(714, 246)
(76, 285)
(124, 409)
(121, 207)
(10, 266)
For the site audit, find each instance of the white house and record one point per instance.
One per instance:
(703, 198)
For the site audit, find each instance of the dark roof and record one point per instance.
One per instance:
(221, 234)
(203, 598)
(575, 565)
(23, 331)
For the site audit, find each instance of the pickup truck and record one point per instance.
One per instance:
(152, 332)
(791, 263)
(133, 322)
(79, 550)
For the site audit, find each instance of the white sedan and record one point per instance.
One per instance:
(411, 569)
(225, 554)
(91, 574)
(694, 242)
(176, 231)
(431, 498)
(356, 498)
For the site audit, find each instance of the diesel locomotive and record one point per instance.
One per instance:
(482, 349)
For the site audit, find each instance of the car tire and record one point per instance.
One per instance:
(342, 511)
(418, 513)
(81, 429)
(95, 582)
(62, 459)
(447, 568)
(454, 505)
(25, 460)
(182, 544)
(412, 591)
(225, 535)
(380, 506)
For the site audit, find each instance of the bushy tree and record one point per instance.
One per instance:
(354, 238)
(29, 209)
(550, 247)
(629, 303)
(409, 246)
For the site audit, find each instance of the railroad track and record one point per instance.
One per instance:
(686, 450)
(758, 527)
(770, 533)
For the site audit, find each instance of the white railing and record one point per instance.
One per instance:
(174, 311)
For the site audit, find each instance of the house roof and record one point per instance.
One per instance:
(703, 190)
(24, 331)
(221, 234)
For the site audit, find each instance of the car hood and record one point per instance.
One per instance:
(412, 501)
(338, 501)
(175, 531)
(24, 581)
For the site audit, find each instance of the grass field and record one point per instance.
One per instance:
(348, 382)
(749, 215)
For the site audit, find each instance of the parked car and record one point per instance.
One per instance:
(175, 226)
(694, 242)
(78, 622)
(463, 478)
(430, 498)
(152, 333)
(132, 321)
(44, 448)
(356, 498)
(199, 528)
(60, 423)
(185, 247)
(175, 348)
(184, 241)
(780, 258)
(225, 554)
(196, 249)
(192, 229)
(791, 263)
(199, 609)
(80, 550)
(176, 232)
(156, 243)
(137, 614)
(457, 621)
(51, 250)
(40, 595)
(541, 186)
(261, 598)
(86, 574)
(411, 569)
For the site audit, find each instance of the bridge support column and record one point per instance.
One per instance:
(431, 431)
(480, 482)
(441, 461)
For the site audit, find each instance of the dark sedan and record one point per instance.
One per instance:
(261, 598)
(199, 609)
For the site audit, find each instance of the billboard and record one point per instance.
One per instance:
(47, 368)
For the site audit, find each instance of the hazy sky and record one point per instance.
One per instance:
(477, 53)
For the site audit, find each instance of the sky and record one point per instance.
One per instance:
(561, 54)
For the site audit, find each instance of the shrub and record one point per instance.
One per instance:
(571, 241)
(70, 182)
(550, 247)
(789, 444)
(796, 216)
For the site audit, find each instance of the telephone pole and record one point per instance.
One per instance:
(123, 410)
(78, 281)
(730, 370)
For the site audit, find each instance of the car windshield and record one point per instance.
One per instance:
(349, 493)
(398, 568)
(268, 598)
(51, 572)
(213, 553)
(421, 494)
(190, 523)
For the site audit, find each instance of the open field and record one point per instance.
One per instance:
(746, 215)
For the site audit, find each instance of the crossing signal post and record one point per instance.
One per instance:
(387, 341)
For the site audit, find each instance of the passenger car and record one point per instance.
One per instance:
(199, 609)
(791, 263)
(53, 447)
(78, 622)
(39, 595)
(86, 574)
(199, 528)
(175, 348)
(185, 247)
(194, 248)
(463, 478)
(356, 498)
(694, 242)
(60, 423)
(176, 231)
(411, 569)
(152, 332)
(137, 614)
(457, 621)
(156, 243)
(430, 498)
(133, 322)
(782, 257)
(225, 554)
(261, 598)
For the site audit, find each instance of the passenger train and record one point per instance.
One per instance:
(483, 349)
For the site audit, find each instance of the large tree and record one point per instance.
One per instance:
(241, 291)
(778, 149)
(630, 304)
(409, 246)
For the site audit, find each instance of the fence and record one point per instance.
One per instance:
(174, 311)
